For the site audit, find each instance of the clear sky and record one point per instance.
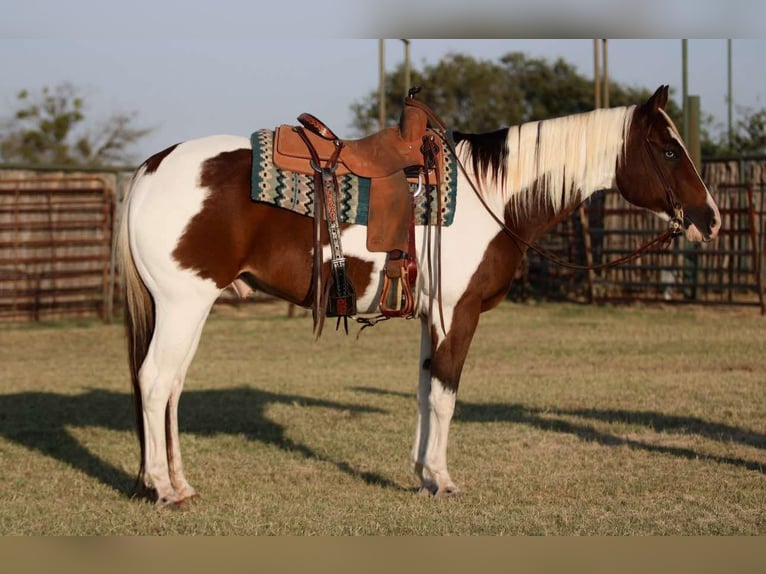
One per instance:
(187, 77)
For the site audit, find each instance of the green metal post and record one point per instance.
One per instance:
(685, 87)
(729, 96)
(382, 84)
(606, 74)
(691, 265)
(407, 67)
(693, 143)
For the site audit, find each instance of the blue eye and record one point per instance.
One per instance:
(671, 154)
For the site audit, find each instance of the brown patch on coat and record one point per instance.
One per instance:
(232, 234)
(486, 289)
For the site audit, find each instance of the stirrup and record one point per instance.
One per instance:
(396, 298)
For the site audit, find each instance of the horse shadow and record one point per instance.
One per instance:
(546, 419)
(40, 421)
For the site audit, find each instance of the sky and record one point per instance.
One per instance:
(190, 69)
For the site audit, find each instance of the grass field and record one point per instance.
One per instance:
(571, 420)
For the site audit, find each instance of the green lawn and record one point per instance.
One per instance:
(570, 420)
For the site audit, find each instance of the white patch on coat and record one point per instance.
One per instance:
(165, 202)
(463, 245)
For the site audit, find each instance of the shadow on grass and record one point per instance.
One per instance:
(39, 422)
(550, 420)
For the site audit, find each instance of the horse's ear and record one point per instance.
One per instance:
(659, 100)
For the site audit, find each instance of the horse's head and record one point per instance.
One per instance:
(658, 174)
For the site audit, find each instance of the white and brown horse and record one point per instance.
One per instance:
(190, 230)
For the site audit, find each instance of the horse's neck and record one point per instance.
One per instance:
(554, 165)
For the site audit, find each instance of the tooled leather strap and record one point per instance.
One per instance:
(313, 124)
(316, 282)
(325, 190)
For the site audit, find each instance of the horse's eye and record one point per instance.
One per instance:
(671, 154)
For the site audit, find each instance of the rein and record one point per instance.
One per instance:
(675, 226)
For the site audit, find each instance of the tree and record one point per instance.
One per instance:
(465, 91)
(748, 137)
(49, 129)
(480, 95)
(749, 133)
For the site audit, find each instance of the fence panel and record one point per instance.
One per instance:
(727, 271)
(55, 247)
(57, 258)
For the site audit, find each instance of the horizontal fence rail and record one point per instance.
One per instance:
(57, 258)
(56, 235)
(726, 271)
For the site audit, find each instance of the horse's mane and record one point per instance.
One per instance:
(548, 162)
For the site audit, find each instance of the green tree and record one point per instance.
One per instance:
(468, 94)
(480, 95)
(748, 136)
(749, 133)
(50, 129)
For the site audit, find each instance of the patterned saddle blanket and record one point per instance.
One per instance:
(295, 191)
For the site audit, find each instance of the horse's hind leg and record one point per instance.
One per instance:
(173, 447)
(178, 326)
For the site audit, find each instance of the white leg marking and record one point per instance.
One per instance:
(441, 403)
(422, 428)
(175, 340)
(436, 406)
(175, 462)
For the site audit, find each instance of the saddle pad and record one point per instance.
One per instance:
(295, 191)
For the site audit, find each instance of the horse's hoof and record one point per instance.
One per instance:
(144, 492)
(428, 488)
(187, 494)
(431, 488)
(172, 501)
(447, 492)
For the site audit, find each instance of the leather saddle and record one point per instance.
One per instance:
(382, 158)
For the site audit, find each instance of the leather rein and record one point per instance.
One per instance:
(675, 226)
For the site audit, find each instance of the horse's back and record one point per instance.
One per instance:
(181, 158)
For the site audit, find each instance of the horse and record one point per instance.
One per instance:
(190, 230)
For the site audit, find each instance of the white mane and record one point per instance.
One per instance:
(570, 158)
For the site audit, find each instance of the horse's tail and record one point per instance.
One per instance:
(139, 322)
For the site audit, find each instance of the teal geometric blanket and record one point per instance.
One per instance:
(295, 191)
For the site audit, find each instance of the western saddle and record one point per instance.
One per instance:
(383, 158)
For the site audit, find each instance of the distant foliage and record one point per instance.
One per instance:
(748, 136)
(480, 95)
(51, 128)
(749, 133)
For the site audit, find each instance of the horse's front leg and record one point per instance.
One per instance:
(441, 362)
(423, 427)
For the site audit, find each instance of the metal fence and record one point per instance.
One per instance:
(57, 231)
(56, 235)
(727, 271)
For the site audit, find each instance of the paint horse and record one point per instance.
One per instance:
(190, 231)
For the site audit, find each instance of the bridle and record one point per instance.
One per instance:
(677, 215)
